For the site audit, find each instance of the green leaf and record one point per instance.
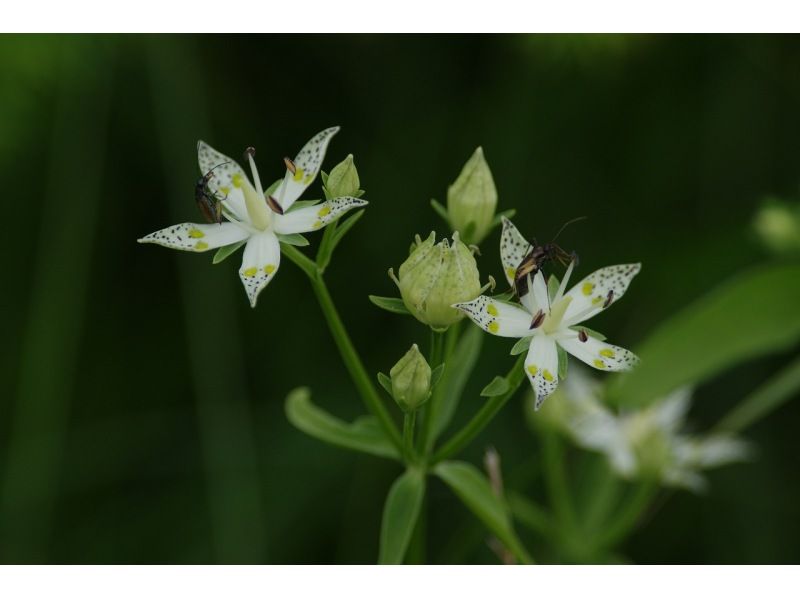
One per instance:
(385, 382)
(589, 332)
(226, 251)
(563, 362)
(324, 176)
(441, 210)
(302, 203)
(460, 366)
(521, 345)
(295, 239)
(400, 513)
(271, 189)
(436, 375)
(498, 218)
(392, 304)
(345, 226)
(496, 387)
(364, 434)
(756, 313)
(474, 490)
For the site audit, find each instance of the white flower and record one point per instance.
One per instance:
(550, 322)
(250, 218)
(645, 442)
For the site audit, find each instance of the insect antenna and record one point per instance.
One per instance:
(566, 224)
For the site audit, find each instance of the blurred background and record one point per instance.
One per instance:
(141, 409)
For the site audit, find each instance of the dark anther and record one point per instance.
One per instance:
(274, 205)
(609, 299)
(582, 336)
(250, 151)
(290, 166)
(538, 318)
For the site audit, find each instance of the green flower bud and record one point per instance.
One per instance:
(411, 380)
(472, 199)
(434, 277)
(343, 180)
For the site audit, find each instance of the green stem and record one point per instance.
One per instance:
(557, 484)
(624, 521)
(435, 359)
(764, 400)
(435, 403)
(481, 419)
(408, 436)
(347, 351)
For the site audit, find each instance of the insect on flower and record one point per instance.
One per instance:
(210, 205)
(536, 257)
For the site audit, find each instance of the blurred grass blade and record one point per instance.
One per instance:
(455, 378)
(224, 416)
(363, 435)
(530, 514)
(756, 313)
(400, 515)
(474, 490)
(57, 305)
(783, 387)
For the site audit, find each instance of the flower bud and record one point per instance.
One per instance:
(411, 380)
(472, 199)
(434, 277)
(343, 180)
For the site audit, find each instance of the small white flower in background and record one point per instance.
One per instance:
(550, 322)
(647, 442)
(251, 218)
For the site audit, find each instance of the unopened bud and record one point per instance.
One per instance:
(472, 199)
(343, 180)
(411, 380)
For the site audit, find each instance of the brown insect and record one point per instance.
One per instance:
(537, 257)
(210, 205)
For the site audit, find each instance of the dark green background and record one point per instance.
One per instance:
(141, 418)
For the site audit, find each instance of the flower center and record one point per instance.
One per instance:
(257, 209)
(553, 320)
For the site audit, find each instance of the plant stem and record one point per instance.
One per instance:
(435, 358)
(764, 400)
(347, 351)
(480, 420)
(624, 521)
(557, 484)
(408, 436)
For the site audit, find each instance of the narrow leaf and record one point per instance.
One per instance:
(461, 364)
(436, 375)
(563, 362)
(226, 251)
(400, 515)
(496, 387)
(385, 382)
(272, 188)
(295, 239)
(392, 304)
(754, 314)
(521, 345)
(474, 490)
(363, 435)
(441, 210)
(324, 176)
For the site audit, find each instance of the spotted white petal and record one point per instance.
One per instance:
(315, 217)
(197, 237)
(513, 247)
(598, 354)
(262, 256)
(598, 291)
(541, 366)
(306, 166)
(537, 298)
(497, 317)
(227, 180)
